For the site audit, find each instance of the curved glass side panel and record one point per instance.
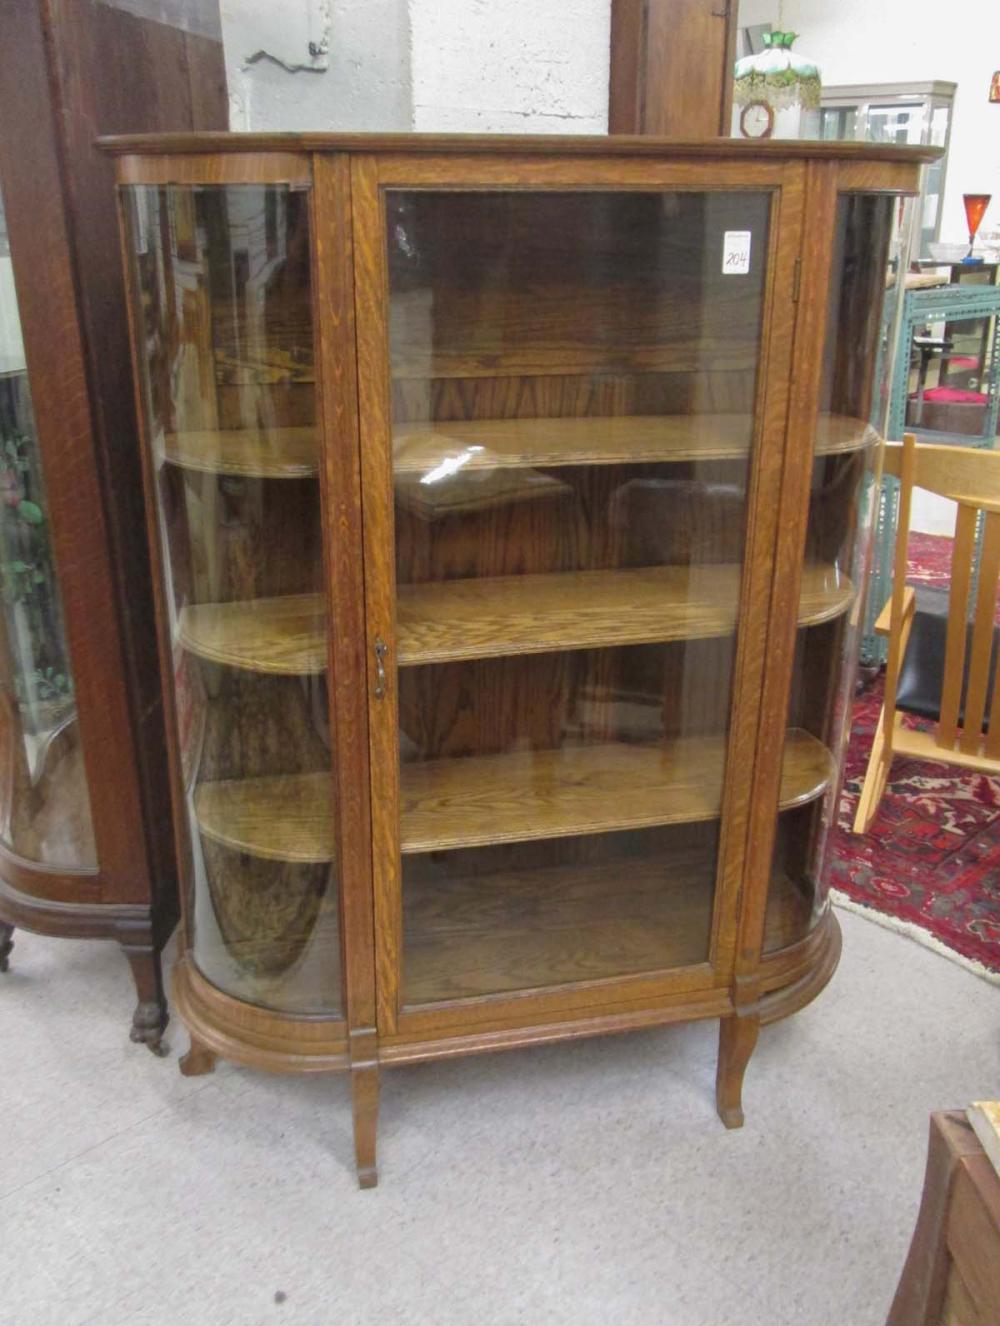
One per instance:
(44, 800)
(869, 236)
(224, 328)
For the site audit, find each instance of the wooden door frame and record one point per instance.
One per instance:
(371, 175)
(756, 973)
(337, 414)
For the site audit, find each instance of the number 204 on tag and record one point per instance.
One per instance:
(736, 253)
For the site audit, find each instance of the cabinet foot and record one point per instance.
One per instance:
(364, 1097)
(198, 1060)
(149, 1021)
(6, 944)
(737, 1038)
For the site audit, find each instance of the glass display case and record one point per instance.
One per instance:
(44, 802)
(509, 579)
(916, 113)
(86, 838)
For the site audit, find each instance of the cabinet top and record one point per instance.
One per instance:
(566, 145)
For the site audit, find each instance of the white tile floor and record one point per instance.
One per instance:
(583, 1183)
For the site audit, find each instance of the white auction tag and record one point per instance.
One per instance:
(736, 253)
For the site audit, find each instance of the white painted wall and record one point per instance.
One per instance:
(896, 41)
(541, 66)
(510, 66)
(361, 82)
(487, 66)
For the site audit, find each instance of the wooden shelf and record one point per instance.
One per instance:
(624, 440)
(280, 635)
(585, 789)
(482, 934)
(506, 798)
(288, 817)
(487, 618)
(483, 444)
(269, 453)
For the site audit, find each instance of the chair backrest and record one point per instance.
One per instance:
(972, 479)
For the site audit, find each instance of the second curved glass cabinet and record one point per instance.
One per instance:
(551, 415)
(45, 813)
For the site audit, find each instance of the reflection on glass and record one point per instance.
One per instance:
(574, 380)
(842, 510)
(223, 310)
(44, 802)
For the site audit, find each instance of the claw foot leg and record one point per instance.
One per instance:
(6, 944)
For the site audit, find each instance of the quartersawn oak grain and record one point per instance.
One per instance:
(486, 618)
(626, 439)
(530, 929)
(275, 635)
(442, 621)
(271, 453)
(553, 793)
(293, 452)
(505, 798)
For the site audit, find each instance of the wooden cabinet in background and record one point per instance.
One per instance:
(85, 839)
(671, 67)
(952, 1272)
(508, 579)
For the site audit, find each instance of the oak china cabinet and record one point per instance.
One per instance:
(509, 500)
(85, 843)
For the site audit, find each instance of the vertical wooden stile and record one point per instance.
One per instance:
(337, 409)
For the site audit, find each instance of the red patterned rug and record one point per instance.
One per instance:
(930, 866)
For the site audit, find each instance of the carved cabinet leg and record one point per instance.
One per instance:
(6, 944)
(149, 1021)
(737, 1038)
(364, 1097)
(198, 1060)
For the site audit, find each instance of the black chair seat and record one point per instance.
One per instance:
(921, 676)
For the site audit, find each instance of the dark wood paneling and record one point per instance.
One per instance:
(74, 69)
(151, 77)
(672, 67)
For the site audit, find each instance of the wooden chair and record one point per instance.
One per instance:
(941, 666)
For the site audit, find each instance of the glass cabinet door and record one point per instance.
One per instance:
(44, 801)
(574, 379)
(222, 313)
(843, 504)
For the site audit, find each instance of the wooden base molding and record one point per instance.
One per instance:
(257, 1037)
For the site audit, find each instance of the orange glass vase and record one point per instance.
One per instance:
(975, 209)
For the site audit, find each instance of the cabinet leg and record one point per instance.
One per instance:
(737, 1038)
(6, 944)
(198, 1060)
(149, 1021)
(364, 1097)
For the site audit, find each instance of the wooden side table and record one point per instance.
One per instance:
(952, 1272)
